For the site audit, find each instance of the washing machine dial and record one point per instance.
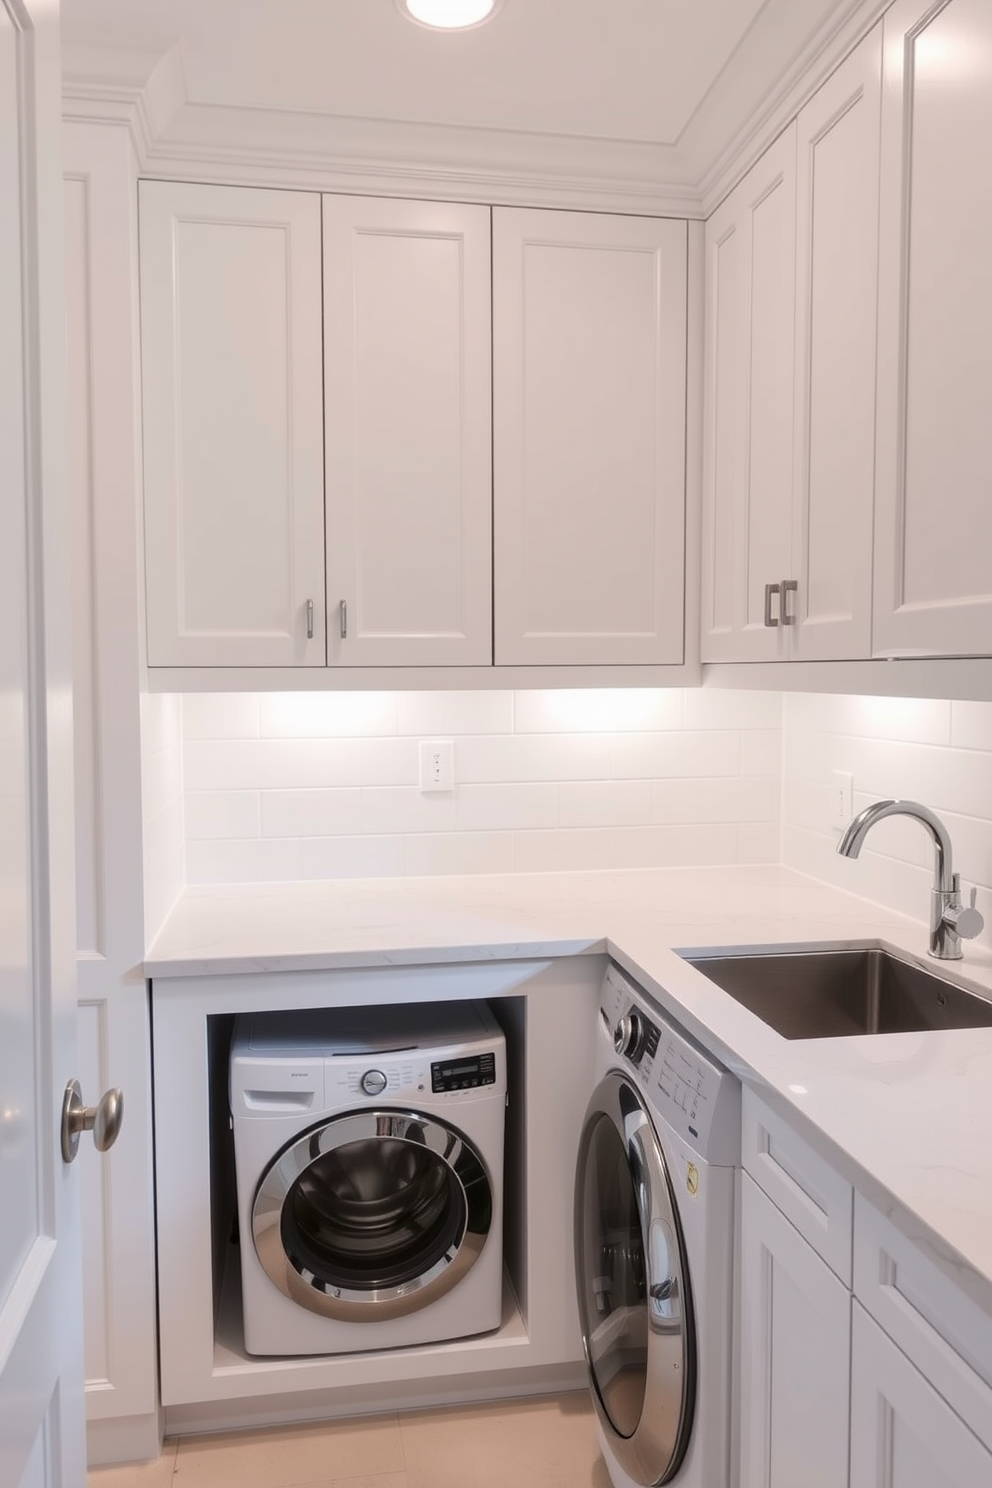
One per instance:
(628, 1035)
(373, 1082)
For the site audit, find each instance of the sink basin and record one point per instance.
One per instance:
(833, 994)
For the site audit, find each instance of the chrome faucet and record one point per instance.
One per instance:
(950, 920)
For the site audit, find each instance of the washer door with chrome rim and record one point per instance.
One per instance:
(632, 1278)
(372, 1214)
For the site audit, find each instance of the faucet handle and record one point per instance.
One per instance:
(965, 920)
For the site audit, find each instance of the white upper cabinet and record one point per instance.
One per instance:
(589, 354)
(790, 363)
(747, 469)
(407, 387)
(837, 161)
(232, 425)
(933, 534)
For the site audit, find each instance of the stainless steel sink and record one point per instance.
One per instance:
(833, 994)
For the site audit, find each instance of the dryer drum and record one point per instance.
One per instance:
(372, 1214)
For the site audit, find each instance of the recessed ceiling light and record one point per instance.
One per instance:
(449, 15)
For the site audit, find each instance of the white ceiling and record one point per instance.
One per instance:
(647, 89)
(608, 69)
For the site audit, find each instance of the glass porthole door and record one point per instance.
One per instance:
(372, 1215)
(633, 1286)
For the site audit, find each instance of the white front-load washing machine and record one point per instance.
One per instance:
(655, 1189)
(368, 1148)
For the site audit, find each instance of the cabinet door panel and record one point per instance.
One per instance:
(933, 577)
(408, 442)
(837, 259)
(795, 1355)
(903, 1435)
(589, 316)
(747, 470)
(233, 444)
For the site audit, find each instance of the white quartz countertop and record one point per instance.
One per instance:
(907, 1117)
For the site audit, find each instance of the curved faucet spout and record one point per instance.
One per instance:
(852, 841)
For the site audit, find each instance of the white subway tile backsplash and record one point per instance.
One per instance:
(667, 756)
(406, 809)
(227, 715)
(430, 853)
(714, 708)
(598, 710)
(506, 807)
(932, 751)
(608, 803)
(540, 757)
(313, 785)
(971, 726)
(327, 715)
(222, 814)
(310, 813)
(441, 713)
(623, 847)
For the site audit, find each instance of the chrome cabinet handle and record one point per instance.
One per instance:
(344, 618)
(788, 586)
(309, 619)
(770, 589)
(103, 1120)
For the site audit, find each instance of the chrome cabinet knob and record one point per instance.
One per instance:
(103, 1120)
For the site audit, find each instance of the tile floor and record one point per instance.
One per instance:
(540, 1442)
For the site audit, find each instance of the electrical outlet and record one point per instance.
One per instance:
(437, 765)
(841, 798)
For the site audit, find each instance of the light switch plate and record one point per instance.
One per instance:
(841, 798)
(437, 765)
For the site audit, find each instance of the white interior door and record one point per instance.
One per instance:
(41, 1403)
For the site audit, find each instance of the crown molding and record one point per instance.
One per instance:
(719, 147)
(106, 79)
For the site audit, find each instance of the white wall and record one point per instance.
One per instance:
(937, 752)
(285, 786)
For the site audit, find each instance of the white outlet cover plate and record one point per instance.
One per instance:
(437, 765)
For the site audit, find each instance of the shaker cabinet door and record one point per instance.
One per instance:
(795, 1355)
(232, 425)
(836, 307)
(407, 388)
(589, 353)
(747, 457)
(933, 534)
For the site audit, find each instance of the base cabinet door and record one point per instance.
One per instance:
(903, 1434)
(933, 525)
(794, 1358)
(589, 382)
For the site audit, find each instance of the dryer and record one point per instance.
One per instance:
(656, 1180)
(368, 1149)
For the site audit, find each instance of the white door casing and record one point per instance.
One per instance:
(41, 1402)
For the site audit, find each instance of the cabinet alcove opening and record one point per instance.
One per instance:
(227, 1238)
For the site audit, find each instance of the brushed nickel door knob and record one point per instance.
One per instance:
(103, 1120)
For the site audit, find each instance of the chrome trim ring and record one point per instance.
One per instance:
(653, 1449)
(354, 1303)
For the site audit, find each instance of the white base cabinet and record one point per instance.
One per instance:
(890, 1389)
(795, 1357)
(903, 1433)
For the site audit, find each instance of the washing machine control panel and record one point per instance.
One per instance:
(463, 1073)
(680, 1081)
